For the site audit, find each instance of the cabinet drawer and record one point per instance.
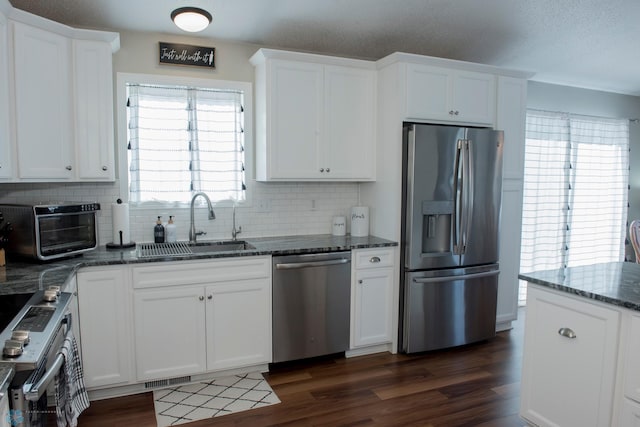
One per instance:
(208, 271)
(373, 258)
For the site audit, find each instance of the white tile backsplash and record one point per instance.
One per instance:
(276, 209)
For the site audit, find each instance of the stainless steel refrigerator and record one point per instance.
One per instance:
(452, 191)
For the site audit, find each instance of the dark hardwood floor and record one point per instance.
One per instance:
(475, 385)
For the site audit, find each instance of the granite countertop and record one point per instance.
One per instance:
(616, 283)
(6, 375)
(24, 276)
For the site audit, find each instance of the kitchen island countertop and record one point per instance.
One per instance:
(23, 276)
(615, 283)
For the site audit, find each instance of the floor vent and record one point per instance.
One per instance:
(165, 383)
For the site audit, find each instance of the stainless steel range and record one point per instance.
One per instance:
(31, 342)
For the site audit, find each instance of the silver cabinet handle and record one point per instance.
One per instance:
(451, 112)
(104, 168)
(456, 112)
(360, 281)
(210, 297)
(328, 170)
(321, 169)
(201, 298)
(567, 332)
(68, 168)
(374, 259)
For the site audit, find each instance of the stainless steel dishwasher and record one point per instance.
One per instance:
(311, 305)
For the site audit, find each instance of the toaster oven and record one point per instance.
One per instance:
(51, 231)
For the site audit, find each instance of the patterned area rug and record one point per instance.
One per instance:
(197, 401)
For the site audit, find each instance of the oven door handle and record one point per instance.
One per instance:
(33, 393)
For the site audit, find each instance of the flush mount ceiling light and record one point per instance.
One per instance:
(191, 19)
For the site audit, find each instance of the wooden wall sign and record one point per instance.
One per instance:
(184, 54)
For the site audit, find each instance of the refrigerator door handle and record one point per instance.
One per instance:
(469, 193)
(463, 277)
(458, 184)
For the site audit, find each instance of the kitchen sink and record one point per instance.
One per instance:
(180, 249)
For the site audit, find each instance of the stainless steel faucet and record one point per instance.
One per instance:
(212, 215)
(234, 231)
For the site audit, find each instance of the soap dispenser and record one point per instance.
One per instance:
(158, 232)
(171, 230)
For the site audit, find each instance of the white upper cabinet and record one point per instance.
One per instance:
(294, 111)
(42, 106)
(5, 132)
(94, 139)
(315, 117)
(444, 94)
(60, 100)
(349, 112)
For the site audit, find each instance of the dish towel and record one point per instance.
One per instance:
(71, 394)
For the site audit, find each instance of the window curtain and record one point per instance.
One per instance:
(575, 193)
(183, 140)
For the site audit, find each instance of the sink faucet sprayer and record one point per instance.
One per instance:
(212, 215)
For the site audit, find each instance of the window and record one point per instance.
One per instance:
(575, 191)
(185, 139)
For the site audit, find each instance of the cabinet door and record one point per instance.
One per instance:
(372, 307)
(348, 141)
(295, 117)
(42, 103)
(428, 92)
(238, 324)
(93, 110)
(169, 331)
(105, 319)
(474, 97)
(510, 229)
(568, 381)
(435, 93)
(5, 134)
(632, 369)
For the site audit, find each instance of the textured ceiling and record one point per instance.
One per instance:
(583, 43)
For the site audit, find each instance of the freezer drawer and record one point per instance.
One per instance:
(449, 308)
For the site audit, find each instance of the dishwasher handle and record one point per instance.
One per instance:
(296, 265)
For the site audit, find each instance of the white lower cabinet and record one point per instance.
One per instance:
(630, 408)
(105, 321)
(569, 365)
(170, 332)
(195, 317)
(372, 296)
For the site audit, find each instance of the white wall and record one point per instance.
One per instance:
(276, 208)
(549, 97)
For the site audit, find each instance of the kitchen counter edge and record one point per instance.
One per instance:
(614, 283)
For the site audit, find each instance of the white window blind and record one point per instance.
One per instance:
(575, 191)
(184, 140)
